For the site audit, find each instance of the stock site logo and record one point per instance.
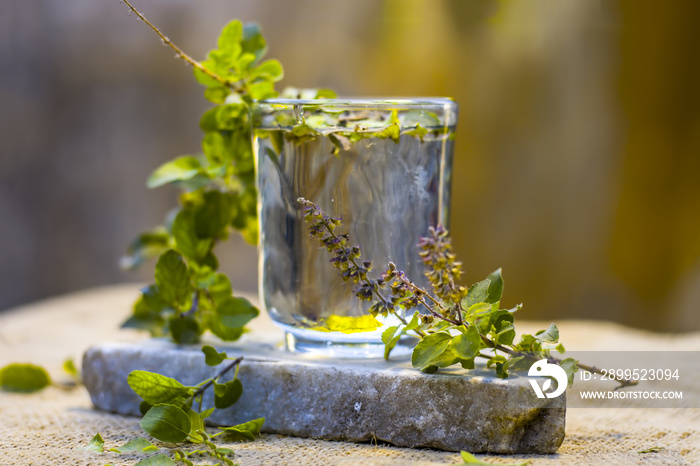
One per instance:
(542, 369)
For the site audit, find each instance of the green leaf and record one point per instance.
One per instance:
(144, 406)
(226, 394)
(479, 310)
(231, 315)
(420, 118)
(70, 369)
(220, 289)
(146, 313)
(157, 460)
(203, 78)
(502, 369)
(147, 245)
(135, 445)
(210, 261)
(245, 431)
(560, 348)
(184, 330)
(182, 168)
(393, 132)
(390, 340)
(23, 378)
(503, 328)
(215, 214)
(652, 450)
(270, 70)
(152, 299)
(418, 132)
(570, 366)
(222, 118)
(156, 388)
(196, 425)
(304, 131)
(466, 345)
(551, 335)
(216, 94)
(478, 293)
(172, 279)
(229, 41)
(468, 458)
(250, 232)
(529, 343)
(211, 356)
(445, 359)
(262, 90)
(325, 94)
(215, 148)
(429, 349)
(480, 315)
(186, 239)
(467, 363)
(96, 444)
(414, 323)
(167, 423)
(495, 286)
(253, 41)
(496, 359)
(224, 451)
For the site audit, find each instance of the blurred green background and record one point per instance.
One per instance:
(577, 158)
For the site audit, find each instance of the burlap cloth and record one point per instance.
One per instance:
(48, 428)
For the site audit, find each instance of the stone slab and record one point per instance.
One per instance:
(357, 401)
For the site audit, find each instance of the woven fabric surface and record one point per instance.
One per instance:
(50, 427)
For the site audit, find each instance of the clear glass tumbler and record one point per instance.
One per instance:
(384, 167)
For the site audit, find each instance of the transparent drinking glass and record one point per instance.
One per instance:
(384, 167)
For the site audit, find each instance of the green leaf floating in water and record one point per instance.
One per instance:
(23, 378)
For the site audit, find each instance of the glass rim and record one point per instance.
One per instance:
(382, 103)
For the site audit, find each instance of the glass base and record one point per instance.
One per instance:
(343, 346)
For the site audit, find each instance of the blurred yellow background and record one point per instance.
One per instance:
(577, 157)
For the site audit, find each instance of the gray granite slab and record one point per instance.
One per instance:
(348, 400)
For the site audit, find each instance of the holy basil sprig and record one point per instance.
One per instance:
(172, 411)
(458, 324)
(190, 295)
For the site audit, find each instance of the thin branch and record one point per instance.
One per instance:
(179, 52)
(420, 294)
(376, 291)
(193, 308)
(211, 381)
